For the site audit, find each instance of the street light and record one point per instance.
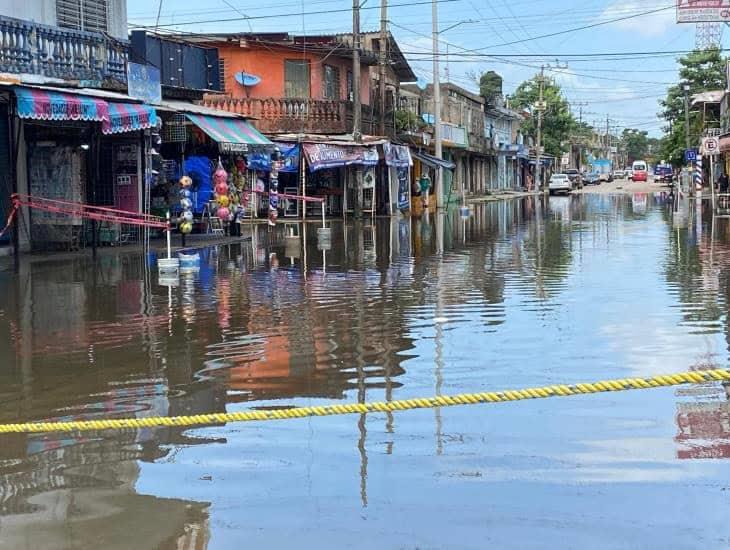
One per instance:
(438, 184)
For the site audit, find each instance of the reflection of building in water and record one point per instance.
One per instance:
(703, 430)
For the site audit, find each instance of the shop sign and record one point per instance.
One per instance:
(403, 189)
(397, 155)
(233, 147)
(143, 82)
(324, 155)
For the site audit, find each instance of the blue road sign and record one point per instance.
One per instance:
(690, 155)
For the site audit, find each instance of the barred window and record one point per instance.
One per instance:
(82, 15)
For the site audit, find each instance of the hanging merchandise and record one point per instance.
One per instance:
(220, 179)
(186, 215)
(274, 187)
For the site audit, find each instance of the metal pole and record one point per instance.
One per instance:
(686, 136)
(538, 167)
(323, 222)
(712, 181)
(438, 184)
(383, 60)
(169, 251)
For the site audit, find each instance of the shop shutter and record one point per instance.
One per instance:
(82, 15)
(296, 78)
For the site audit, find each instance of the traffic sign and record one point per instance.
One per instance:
(710, 146)
(690, 155)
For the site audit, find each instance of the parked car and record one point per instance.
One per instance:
(619, 174)
(628, 173)
(575, 177)
(639, 171)
(606, 176)
(560, 183)
(592, 178)
(663, 173)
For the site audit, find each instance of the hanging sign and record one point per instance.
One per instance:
(324, 155)
(143, 82)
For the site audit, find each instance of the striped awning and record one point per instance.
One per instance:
(231, 134)
(38, 104)
(128, 117)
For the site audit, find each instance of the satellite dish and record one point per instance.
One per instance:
(246, 79)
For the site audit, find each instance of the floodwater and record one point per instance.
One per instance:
(523, 293)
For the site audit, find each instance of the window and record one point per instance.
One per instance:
(82, 15)
(331, 82)
(296, 78)
(222, 73)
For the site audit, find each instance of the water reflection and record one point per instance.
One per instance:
(520, 293)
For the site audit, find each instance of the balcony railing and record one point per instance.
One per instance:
(284, 115)
(27, 47)
(287, 115)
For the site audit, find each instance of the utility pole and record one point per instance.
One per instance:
(438, 184)
(383, 60)
(690, 179)
(540, 108)
(356, 104)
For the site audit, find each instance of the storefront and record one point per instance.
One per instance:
(331, 174)
(425, 166)
(82, 148)
(198, 142)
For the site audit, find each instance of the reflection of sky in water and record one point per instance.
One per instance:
(594, 288)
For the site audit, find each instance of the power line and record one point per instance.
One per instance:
(290, 14)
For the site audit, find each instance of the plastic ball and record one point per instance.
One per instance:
(221, 188)
(186, 204)
(223, 200)
(220, 175)
(223, 213)
(186, 181)
(186, 216)
(186, 227)
(185, 193)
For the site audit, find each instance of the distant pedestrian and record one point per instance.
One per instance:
(425, 184)
(723, 182)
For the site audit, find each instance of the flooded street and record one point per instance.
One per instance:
(524, 293)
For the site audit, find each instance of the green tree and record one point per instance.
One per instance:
(635, 143)
(490, 86)
(557, 121)
(703, 71)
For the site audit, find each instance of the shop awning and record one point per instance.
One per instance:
(432, 161)
(39, 104)
(232, 134)
(326, 155)
(128, 117)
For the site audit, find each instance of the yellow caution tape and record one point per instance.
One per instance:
(621, 384)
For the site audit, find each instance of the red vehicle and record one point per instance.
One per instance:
(640, 171)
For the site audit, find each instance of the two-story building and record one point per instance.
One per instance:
(501, 128)
(464, 141)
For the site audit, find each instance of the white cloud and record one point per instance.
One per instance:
(654, 24)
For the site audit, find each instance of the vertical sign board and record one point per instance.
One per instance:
(701, 11)
(143, 82)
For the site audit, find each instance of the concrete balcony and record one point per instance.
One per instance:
(52, 52)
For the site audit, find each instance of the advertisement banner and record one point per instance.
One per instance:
(403, 189)
(323, 155)
(398, 156)
(699, 11)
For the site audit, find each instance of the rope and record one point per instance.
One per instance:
(81, 210)
(11, 217)
(622, 384)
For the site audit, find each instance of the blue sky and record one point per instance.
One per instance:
(627, 89)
